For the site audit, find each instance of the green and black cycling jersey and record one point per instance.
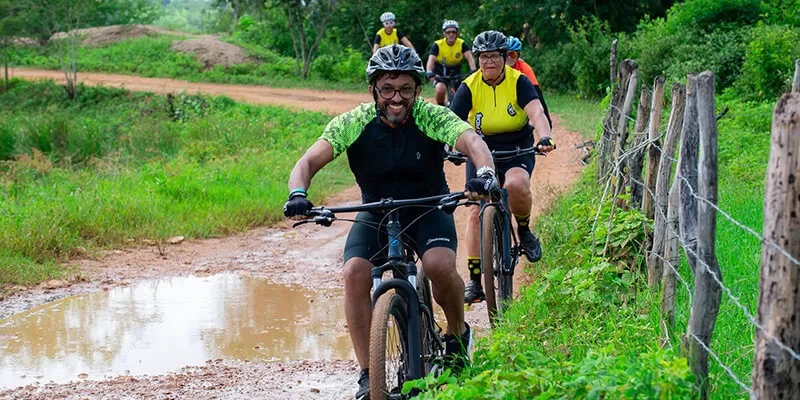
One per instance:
(402, 162)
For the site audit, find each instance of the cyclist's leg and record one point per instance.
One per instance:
(474, 290)
(440, 92)
(435, 235)
(517, 182)
(360, 247)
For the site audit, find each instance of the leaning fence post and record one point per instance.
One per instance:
(687, 174)
(622, 129)
(796, 81)
(654, 153)
(654, 263)
(707, 290)
(776, 371)
(671, 259)
(637, 158)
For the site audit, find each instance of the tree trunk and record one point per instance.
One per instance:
(776, 371)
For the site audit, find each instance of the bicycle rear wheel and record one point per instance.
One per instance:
(494, 259)
(388, 347)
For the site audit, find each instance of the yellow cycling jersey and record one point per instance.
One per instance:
(495, 110)
(450, 56)
(387, 39)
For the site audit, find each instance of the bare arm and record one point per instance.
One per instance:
(407, 43)
(431, 63)
(375, 48)
(475, 148)
(470, 60)
(541, 126)
(317, 156)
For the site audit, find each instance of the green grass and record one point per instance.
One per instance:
(116, 167)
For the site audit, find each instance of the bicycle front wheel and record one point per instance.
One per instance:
(431, 348)
(388, 348)
(495, 258)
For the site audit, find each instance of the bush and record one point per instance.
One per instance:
(347, 66)
(591, 40)
(769, 62)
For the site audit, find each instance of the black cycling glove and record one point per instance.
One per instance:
(297, 204)
(429, 74)
(484, 185)
(546, 141)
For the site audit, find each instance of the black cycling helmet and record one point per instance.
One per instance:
(490, 41)
(395, 58)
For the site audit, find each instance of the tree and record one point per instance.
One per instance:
(306, 21)
(11, 25)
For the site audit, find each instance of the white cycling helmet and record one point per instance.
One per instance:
(449, 24)
(387, 16)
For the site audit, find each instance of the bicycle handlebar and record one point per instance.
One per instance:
(326, 215)
(458, 158)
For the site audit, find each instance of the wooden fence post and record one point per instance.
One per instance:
(605, 148)
(613, 62)
(654, 259)
(687, 173)
(635, 163)
(654, 153)
(622, 130)
(672, 258)
(796, 81)
(707, 291)
(776, 372)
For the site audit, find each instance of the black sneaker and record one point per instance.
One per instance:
(474, 292)
(457, 349)
(530, 245)
(363, 385)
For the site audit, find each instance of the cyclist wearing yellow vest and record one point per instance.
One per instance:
(388, 36)
(503, 107)
(445, 59)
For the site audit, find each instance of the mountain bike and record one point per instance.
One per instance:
(451, 81)
(406, 343)
(500, 248)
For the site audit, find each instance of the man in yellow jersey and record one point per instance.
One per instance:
(503, 107)
(388, 36)
(445, 59)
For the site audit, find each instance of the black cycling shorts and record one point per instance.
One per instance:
(435, 229)
(526, 162)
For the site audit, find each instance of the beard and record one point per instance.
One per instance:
(393, 114)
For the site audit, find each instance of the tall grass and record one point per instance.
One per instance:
(115, 168)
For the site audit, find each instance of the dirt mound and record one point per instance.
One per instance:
(207, 49)
(103, 35)
(211, 51)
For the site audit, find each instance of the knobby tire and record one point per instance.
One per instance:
(494, 260)
(388, 347)
(429, 347)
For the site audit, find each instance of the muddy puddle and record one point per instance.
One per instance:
(156, 326)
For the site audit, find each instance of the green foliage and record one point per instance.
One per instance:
(591, 41)
(113, 166)
(347, 65)
(768, 68)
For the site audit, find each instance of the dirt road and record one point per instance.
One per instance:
(272, 252)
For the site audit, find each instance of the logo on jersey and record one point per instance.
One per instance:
(478, 121)
(458, 55)
(511, 111)
(419, 155)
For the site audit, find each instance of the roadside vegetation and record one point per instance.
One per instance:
(110, 168)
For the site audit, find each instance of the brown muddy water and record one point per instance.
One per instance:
(152, 327)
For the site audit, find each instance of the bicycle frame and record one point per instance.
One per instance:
(398, 260)
(511, 252)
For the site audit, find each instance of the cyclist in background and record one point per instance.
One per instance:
(446, 58)
(394, 148)
(388, 35)
(503, 107)
(514, 60)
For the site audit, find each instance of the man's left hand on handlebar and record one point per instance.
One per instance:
(482, 186)
(297, 206)
(546, 144)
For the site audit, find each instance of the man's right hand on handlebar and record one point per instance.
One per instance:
(482, 186)
(297, 205)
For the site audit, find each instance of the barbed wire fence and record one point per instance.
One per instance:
(684, 210)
